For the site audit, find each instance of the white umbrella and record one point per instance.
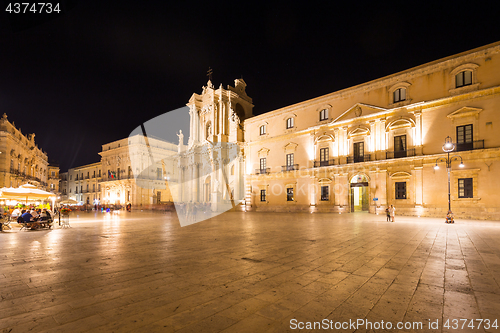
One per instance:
(68, 202)
(25, 192)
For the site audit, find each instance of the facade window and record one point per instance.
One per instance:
(93, 187)
(53, 174)
(158, 173)
(400, 190)
(289, 123)
(262, 129)
(93, 175)
(99, 173)
(359, 152)
(323, 115)
(465, 188)
(87, 187)
(263, 165)
(70, 177)
(325, 195)
(76, 189)
(400, 146)
(464, 137)
(99, 187)
(289, 194)
(399, 95)
(76, 178)
(324, 156)
(289, 162)
(262, 195)
(81, 189)
(118, 173)
(463, 79)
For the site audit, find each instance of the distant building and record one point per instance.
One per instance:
(83, 183)
(63, 185)
(53, 179)
(21, 161)
(146, 185)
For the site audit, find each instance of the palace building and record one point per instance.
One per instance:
(381, 143)
(21, 160)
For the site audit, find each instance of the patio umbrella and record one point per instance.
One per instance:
(25, 192)
(68, 202)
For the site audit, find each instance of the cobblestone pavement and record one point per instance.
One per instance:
(247, 272)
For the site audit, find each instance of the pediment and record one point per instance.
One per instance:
(263, 152)
(358, 110)
(400, 174)
(466, 111)
(290, 147)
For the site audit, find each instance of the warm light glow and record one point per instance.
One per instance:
(461, 165)
(436, 167)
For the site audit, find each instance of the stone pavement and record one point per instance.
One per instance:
(247, 272)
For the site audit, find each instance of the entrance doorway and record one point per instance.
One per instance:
(207, 190)
(359, 194)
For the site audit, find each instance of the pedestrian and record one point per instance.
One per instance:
(388, 214)
(392, 212)
(450, 217)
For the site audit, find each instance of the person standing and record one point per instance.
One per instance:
(388, 214)
(392, 212)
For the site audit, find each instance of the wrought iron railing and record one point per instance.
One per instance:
(400, 153)
(262, 171)
(290, 167)
(318, 164)
(478, 144)
(358, 158)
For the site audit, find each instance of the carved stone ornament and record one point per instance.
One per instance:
(358, 111)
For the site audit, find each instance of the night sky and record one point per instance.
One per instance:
(93, 73)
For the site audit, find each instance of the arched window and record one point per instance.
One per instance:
(323, 115)
(289, 123)
(262, 130)
(463, 79)
(399, 95)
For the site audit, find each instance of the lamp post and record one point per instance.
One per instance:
(448, 147)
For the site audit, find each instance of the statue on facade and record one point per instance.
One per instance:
(181, 138)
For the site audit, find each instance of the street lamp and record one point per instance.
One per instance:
(448, 147)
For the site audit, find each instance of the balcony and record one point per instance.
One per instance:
(87, 177)
(291, 167)
(358, 158)
(318, 164)
(400, 153)
(263, 171)
(478, 144)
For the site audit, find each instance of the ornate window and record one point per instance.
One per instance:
(399, 95)
(325, 195)
(262, 195)
(323, 115)
(262, 129)
(289, 194)
(463, 79)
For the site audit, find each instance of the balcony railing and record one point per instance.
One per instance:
(400, 153)
(289, 167)
(262, 171)
(358, 158)
(318, 164)
(87, 177)
(478, 144)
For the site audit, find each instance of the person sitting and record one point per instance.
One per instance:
(28, 219)
(449, 217)
(16, 213)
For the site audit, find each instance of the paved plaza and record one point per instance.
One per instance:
(248, 272)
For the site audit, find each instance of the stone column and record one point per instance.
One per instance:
(419, 190)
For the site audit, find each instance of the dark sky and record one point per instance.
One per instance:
(93, 73)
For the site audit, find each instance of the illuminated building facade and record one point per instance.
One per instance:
(21, 160)
(128, 176)
(84, 183)
(377, 144)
